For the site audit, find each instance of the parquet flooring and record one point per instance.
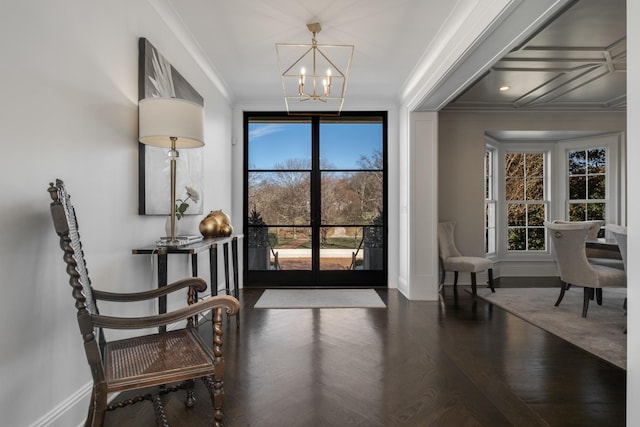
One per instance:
(457, 362)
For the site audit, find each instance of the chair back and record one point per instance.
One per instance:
(569, 242)
(66, 226)
(620, 234)
(446, 243)
(594, 226)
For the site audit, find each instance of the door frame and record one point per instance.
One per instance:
(314, 277)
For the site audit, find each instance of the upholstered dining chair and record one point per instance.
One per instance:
(569, 245)
(452, 260)
(597, 256)
(619, 233)
(171, 360)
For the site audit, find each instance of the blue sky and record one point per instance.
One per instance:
(341, 145)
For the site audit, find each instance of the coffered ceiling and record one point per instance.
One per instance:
(575, 61)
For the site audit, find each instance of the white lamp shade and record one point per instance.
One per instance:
(160, 119)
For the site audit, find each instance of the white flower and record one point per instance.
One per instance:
(182, 205)
(193, 194)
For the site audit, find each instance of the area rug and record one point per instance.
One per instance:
(600, 333)
(319, 298)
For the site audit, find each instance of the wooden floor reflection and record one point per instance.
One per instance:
(455, 362)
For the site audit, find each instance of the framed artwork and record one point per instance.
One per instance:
(158, 78)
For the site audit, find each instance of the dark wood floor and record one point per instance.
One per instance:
(457, 362)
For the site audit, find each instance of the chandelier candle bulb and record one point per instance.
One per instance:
(335, 59)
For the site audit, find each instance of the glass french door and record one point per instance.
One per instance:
(315, 200)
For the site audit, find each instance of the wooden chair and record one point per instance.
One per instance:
(569, 245)
(452, 260)
(170, 360)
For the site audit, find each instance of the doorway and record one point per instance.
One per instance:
(315, 200)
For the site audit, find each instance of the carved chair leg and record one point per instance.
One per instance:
(217, 398)
(473, 284)
(585, 304)
(100, 403)
(91, 415)
(191, 400)
(490, 273)
(563, 287)
(599, 296)
(455, 279)
(158, 409)
(215, 384)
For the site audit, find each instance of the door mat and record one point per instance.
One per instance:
(320, 298)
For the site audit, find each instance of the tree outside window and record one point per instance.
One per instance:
(587, 184)
(526, 203)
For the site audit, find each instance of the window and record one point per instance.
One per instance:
(315, 197)
(490, 202)
(526, 200)
(574, 179)
(586, 183)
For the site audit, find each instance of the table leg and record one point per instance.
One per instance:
(225, 253)
(213, 268)
(192, 294)
(234, 260)
(162, 281)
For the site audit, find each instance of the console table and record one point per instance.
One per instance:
(194, 249)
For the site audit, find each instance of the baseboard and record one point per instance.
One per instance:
(72, 411)
(529, 282)
(527, 268)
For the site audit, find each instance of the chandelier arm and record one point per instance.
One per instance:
(296, 62)
(335, 67)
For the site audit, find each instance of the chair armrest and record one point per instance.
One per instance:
(229, 303)
(199, 284)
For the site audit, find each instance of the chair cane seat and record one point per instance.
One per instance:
(155, 359)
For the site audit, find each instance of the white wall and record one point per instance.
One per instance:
(418, 250)
(633, 211)
(461, 168)
(69, 110)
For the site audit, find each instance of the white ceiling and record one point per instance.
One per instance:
(421, 53)
(239, 37)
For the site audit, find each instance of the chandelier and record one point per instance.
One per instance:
(314, 76)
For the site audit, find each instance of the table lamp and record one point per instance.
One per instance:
(171, 123)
